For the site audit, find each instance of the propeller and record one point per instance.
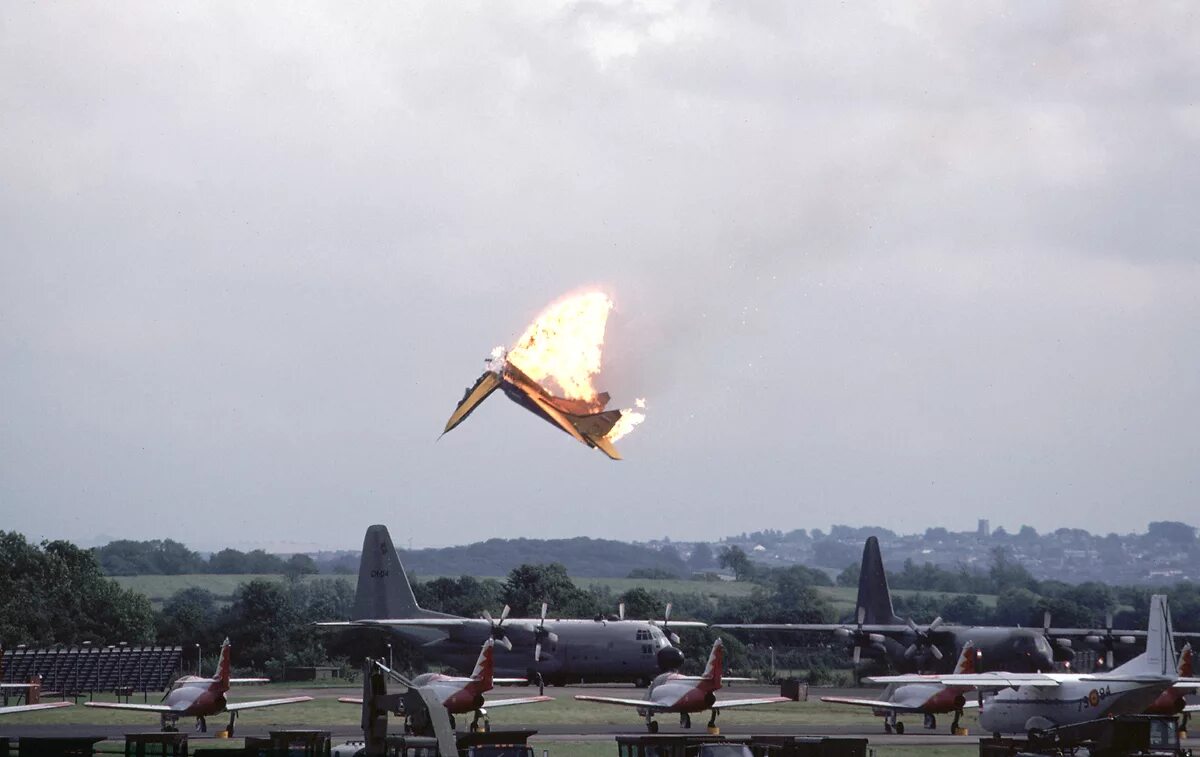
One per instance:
(498, 628)
(1062, 648)
(665, 622)
(859, 638)
(1107, 643)
(924, 640)
(541, 633)
(621, 611)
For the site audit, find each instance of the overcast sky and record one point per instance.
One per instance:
(895, 264)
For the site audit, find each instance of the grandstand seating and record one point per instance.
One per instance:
(90, 668)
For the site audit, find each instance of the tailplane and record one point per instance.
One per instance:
(1159, 657)
(383, 588)
(873, 594)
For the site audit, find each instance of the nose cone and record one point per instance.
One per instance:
(670, 658)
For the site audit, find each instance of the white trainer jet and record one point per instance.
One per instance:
(672, 692)
(1032, 702)
(929, 699)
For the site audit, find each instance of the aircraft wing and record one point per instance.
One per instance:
(1191, 708)
(490, 703)
(486, 384)
(350, 700)
(509, 681)
(238, 706)
(867, 628)
(556, 415)
(643, 703)
(129, 706)
(427, 622)
(32, 707)
(721, 704)
(17, 685)
(977, 680)
(880, 704)
(249, 680)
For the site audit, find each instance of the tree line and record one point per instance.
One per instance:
(126, 557)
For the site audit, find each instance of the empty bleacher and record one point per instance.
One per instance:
(76, 670)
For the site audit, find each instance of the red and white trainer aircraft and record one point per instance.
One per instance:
(462, 695)
(191, 696)
(672, 692)
(929, 699)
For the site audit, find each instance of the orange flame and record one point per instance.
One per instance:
(563, 344)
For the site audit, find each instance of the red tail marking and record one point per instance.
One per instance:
(484, 667)
(223, 667)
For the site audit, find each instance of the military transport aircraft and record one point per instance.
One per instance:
(1030, 702)
(584, 420)
(928, 699)
(879, 633)
(541, 649)
(191, 696)
(672, 692)
(462, 695)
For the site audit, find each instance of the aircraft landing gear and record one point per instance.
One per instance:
(685, 720)
(651, 725)
(890, 725)
(930, 721)
(201, 724)
(712, 722)
(487, 724)
(541, 683)
(229, 730)
(955, 730)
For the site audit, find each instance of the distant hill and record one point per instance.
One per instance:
(582, 556)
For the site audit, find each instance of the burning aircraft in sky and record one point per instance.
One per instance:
(549, 372)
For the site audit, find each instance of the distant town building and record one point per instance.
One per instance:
(984, 529)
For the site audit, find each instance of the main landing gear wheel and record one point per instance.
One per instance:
(931, 722)
(229, 730)
(685, 720)
(900, 729)
(201, 725)
(652, 726)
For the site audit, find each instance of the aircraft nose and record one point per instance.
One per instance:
(670, 658)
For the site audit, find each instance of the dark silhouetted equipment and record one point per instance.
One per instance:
(156, 744)
(72, 671)
(1107, 737)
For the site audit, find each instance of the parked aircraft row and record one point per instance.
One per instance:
(878, 633)
(1155, 682)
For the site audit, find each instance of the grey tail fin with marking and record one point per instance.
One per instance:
(873, 594)
(1159, 657)
(383, 588)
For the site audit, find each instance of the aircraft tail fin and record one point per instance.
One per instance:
(967, 661)
(1159, 657)
(715, 666)
(873, 593)
(485, 665)
(383, 589)
(223, 664)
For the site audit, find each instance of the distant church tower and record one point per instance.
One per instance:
(984, 530)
